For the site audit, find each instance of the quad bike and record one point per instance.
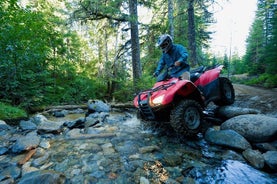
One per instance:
(181, 103)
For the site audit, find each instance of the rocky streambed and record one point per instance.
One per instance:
(112, 146)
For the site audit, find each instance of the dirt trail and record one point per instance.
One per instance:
(259, 98)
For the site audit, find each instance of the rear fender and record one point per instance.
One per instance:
(209, 76)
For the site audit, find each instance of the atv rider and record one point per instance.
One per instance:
(174, 57)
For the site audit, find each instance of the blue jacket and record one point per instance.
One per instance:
(176, 53)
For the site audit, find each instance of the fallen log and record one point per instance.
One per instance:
(51, 109)
(57, 108)
(91, 136)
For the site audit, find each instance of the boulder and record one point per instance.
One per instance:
(255, 128)
(227, 112)
(228, 138)
(59, 114)
(78, 123)
(254, 157)
(50, 127)
(9, 170)
(27, 125)
(24, 143)
(43, 176)
(4, 125)
(38, 118)
(264, 147)
(270, 158)
(97, 106)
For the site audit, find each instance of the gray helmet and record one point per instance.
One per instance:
(165, 42)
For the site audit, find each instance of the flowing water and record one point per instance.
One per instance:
(131, 154)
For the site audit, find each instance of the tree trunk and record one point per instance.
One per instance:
(192, 34)
(170, 18)
(135, 42)
(180, 22)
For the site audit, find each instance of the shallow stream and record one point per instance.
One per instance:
(134, 155)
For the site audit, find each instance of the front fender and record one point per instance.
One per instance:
(180, 88)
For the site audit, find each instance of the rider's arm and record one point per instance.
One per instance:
(183, 54)
(160, 66)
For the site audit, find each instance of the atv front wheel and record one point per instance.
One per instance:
(187, 117)
(227, 92)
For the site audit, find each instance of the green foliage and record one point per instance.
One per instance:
(261, 54)
(264, 80)
(260, 58)
(10, 112)
(40, 59)
(45, 60)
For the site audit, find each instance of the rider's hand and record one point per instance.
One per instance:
(177, 63)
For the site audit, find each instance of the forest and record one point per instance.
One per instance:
(56, 52)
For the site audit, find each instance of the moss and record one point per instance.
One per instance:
(10, 112)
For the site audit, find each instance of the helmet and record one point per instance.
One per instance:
(165, 42)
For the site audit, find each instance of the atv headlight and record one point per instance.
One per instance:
(158, 100)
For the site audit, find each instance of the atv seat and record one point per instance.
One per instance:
(195, 73)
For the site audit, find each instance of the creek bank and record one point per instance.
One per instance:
(253, 134)
(104, 147)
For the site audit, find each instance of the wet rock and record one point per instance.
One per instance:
(77, 111)
(108, 149)
(232, 155)
(39, 152)
(255, 128)
(98, 174)
(73, 133)
(8, 170)
(38, 118)
(101, 116)
(90, 122)
(229, 138)
(27, 125)
(174, 172)
(41, 160)
(43, 176)
(227, 112)
(79, 123)
(3, 150)
(59, 114)
(24, 143)
(171, 181)
(4, 126)
(172, 160)
(7, 181)
(143, 180)
(50, 127)
(148, 149)
(127, 148)
(97, 106)
(271, 159)
(44, 144)
(254, 157)
(265, 147)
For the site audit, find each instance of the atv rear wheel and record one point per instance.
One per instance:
(227, 92)
(187, 117)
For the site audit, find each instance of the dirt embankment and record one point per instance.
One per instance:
(259, 98)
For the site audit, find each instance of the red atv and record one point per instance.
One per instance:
(181, 103)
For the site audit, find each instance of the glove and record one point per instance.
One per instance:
(155, 74)
(177, 63)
